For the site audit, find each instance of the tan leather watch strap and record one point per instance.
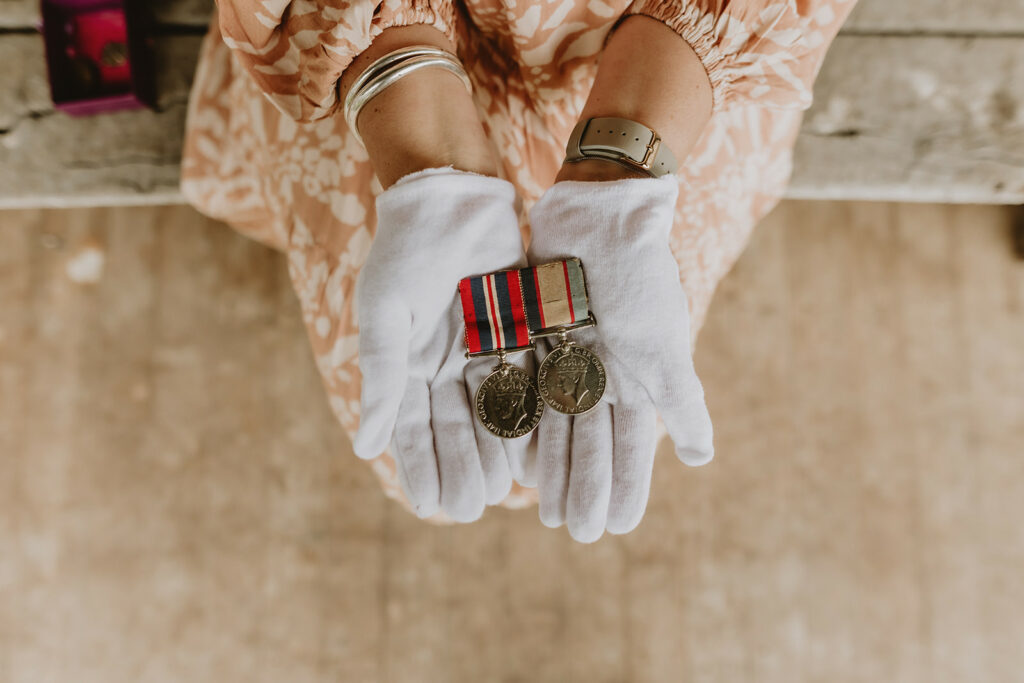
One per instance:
(623, 141)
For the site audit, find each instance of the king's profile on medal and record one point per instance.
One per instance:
(508, 403)
(571, 379)
(568, 374)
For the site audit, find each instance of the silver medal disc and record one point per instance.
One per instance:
(508, 403)
(571, 379)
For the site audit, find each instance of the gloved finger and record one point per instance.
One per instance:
(521, 454)
(590, 474)
(384, 364)
(413, 446)
(554, 437)
(678, 395)
(497, 477)
(463, 489)
(634, 445)
(463, 480)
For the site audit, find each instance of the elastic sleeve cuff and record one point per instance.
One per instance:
(752, 51)
(297, 58)
(696, 27)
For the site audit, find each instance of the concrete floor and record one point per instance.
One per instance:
(177, 503)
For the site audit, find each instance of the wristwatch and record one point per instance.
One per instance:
(622, 141)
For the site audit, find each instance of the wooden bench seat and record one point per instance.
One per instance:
(917, 101)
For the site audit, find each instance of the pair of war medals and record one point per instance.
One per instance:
(505, 312)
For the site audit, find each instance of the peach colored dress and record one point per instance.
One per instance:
(268, 151)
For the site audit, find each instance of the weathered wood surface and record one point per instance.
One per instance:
(177, 503)
(897, 117)
(870, 16)
(190, 13)
(920, 119)
(48, 159)
(974, 17)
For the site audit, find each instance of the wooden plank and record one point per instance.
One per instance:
(178, 504)
(718, 533)
(977, 17)
(49, 159)
(116, 456)
(20, 14)
(24, 89)
(532, 584)
(895, 118)
(989, 302)
(916, 119)
(183, 12)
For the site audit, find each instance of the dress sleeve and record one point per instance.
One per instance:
(763, 52)
(296, 50)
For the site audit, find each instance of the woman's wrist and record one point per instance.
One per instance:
(648, 74)
(425, 120)
(596, 170)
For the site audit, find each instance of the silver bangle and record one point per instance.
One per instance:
(384, 62)
(391, 68)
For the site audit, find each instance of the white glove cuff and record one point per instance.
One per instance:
(460, 211)
(439, 171)
(571, 209)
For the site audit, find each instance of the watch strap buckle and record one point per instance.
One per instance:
(622, 141)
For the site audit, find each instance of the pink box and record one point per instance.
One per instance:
(99, 55)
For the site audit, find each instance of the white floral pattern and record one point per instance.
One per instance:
(267, 152)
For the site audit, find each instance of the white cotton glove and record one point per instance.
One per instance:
(594, 470)
(433, 229)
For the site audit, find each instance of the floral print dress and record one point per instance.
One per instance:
(268, 151)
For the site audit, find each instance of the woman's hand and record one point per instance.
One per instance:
(433, 228)
(435, 225)
(594, 470)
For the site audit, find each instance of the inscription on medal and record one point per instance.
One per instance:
(571, 379)
(508, 403)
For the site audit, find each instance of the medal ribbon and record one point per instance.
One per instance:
(492, 306)
(555, 294)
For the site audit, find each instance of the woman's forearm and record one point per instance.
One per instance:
(648, 74)
(424, 120)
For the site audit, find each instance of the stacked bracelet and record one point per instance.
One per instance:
(392, 67)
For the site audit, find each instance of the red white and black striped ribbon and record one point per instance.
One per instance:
(492, 306)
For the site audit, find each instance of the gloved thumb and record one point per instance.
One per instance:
(679, 397)
(384, 364)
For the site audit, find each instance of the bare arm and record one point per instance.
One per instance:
(425, 120)
(648, 74)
